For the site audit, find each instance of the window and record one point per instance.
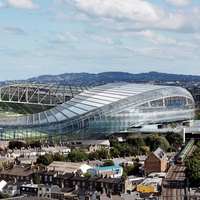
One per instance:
(50, 178)
(45, 178)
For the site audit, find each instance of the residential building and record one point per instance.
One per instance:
(109, 171)
(29, 190)
(156, 161)
(47, 190)
(12, 189)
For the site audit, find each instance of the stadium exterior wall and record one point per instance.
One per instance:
(103, 110)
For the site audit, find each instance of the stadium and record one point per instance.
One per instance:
(93, 113)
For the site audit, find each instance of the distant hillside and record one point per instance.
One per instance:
(87, 79)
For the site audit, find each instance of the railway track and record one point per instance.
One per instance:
(174, 184)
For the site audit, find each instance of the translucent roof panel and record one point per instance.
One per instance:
(110, 96)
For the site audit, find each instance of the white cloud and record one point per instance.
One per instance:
(2, 4)
(117, 9)
(66, 37)
(23, 4)
(11, 31)
(161, 39)
(197, 36)
(101, 39)
(179, 2)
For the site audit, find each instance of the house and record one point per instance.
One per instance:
(109, 171)
(27, 160)
(84, 194)
(12, 189)
(4, 144)
(46, 190)
(156, 161)
(2, 185)
(68, 167)
(29, 190)
(150, 186)
(17, 173)
(64, 193)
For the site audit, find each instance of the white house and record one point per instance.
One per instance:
(2, 185)
(12, 189)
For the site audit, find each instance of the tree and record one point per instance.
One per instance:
(108, 163)
(174, 139)
(193, 167)
(16, 144)
(137, 141)
(36, 179)
(78, 156)
(113, 141)
(4, 196)
(103, 153)
(36, 144)
(93, 155)
(114, 152)
(45, 159)
(59, 157)
(154, 141)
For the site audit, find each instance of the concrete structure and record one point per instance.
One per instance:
(103, 110)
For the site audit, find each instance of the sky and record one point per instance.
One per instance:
(40, 37)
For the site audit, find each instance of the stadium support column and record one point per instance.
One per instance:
(183, 134)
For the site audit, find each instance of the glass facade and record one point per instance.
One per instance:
(103, 110)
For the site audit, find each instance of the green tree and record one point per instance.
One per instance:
(78, 156)
(137, 141)
(59, 157)
(36, 179)
(93, 155)
(4, 196)
(114, 152)
(103, 153)
(108, 163)
(113, 141)
(174, 139)
(155, 140)
(193, 171)
(45, 159)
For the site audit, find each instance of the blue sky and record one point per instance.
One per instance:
(60, 36)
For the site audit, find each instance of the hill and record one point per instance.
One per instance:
(88, 79)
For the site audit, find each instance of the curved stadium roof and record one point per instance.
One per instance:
(111, 105)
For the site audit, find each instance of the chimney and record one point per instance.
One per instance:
(103, 190)
(14, 164)
(76, 187)
(87, 197)
(109, 195)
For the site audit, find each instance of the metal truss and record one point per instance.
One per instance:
(43, 94)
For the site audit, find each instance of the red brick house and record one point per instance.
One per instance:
(156, 161)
